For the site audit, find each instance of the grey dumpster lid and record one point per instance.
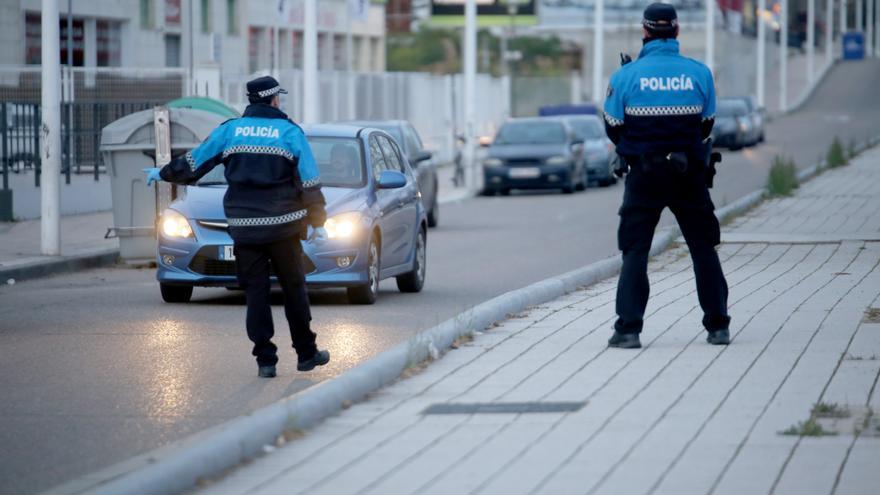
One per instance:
(120, 132)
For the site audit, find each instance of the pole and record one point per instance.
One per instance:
(598, 49)
(50, 208)
(349, 67)
(829, 31)
(762, 54)
(710, 34)
(811, 40)
(869, 31)
(276, 45)
(783, 56)
(470, 76)
(860, 7)
(192, 51)
(310, 62)
(842, 16)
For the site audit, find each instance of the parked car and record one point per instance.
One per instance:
(376, 224)
(534, 153)
(733, 126)
(757, 117)
(598, 149)
(420, 159)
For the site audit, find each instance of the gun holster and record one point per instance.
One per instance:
(712, 158)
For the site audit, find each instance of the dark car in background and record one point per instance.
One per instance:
(534, 153)
(598, 149)
(756, 115)
(733, 125)
(420, 159)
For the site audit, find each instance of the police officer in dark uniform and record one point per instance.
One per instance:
(274, 195)
(659, 111)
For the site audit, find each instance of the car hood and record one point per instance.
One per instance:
(206, 202)
(507, 151)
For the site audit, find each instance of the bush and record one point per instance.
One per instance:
(836, 156)
(782, 179)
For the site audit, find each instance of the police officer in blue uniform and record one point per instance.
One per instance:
(659, 111)
(274, 194)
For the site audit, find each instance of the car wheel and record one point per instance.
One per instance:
(434, 214)
(504, 192)
(175, 293)
(414, 281)
(568, 188)
(367, 294)
(487, 192)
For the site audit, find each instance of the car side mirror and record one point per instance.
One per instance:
(422, 156)
(391, 179)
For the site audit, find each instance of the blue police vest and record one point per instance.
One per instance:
(661, 100)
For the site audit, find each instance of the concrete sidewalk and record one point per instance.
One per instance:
(82, 245)
(678, 416)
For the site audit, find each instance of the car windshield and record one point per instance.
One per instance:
(340, 163)
(587, 129)
(531, 133)
(731, 108)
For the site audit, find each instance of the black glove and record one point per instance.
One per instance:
(620, 166)
(625, 59)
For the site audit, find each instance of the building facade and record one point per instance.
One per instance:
(235, 36)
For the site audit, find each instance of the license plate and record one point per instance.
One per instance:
(524, 173)
(227, 253)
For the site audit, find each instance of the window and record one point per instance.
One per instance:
(377, 157)
(392, 156)
(148, 20)
(109, 37)
(231, 17)
(206, 16)
(413, 143)
(339, 161)
(172, 50)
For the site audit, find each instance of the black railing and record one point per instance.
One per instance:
(81, 124)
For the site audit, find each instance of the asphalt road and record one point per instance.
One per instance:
(94, 368)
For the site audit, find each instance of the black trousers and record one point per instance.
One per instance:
(253, 266)
(687, 196)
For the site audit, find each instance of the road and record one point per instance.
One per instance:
(94, 368)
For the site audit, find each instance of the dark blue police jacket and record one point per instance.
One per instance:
(661, 100)
(273, 179)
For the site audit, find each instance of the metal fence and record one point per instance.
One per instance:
(91, 99)
(431, 102)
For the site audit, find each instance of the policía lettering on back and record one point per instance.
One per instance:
(257, 131)
(675, 83)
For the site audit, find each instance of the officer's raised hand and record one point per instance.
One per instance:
(153, 175)
(319, 234)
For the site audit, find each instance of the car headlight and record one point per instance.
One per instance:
(557, 160)
(175, 225)
(492, 162)
(342, 226)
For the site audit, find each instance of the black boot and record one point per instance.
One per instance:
(625, 341)
(718, 337)
(319, 359)
(267, 371)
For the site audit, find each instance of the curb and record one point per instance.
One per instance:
(61, 264)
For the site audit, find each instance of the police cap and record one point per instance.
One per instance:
(661, 20)
(264, 87)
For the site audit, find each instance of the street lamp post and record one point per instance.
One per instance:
(470, 74)
(598, 49)
(310, 62)
(783, 56)
(710, 34)
(811, 39)
(869, 30)
(50, 131)
(762, 53)
(829, 31)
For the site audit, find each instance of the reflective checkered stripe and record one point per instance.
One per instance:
(266, 221)
(612, 121)
(659, 111)
(190, 160)
(312, 182)
(262, 150)
(269, 92)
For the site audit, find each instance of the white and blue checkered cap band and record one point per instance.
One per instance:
(269, 92)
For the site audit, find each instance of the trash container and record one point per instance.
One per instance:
(128, 145)
(853, 45)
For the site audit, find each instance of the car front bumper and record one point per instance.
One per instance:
(537, 177)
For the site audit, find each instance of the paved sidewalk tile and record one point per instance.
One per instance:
(677, 416)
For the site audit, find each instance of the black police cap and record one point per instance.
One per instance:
(264, 87)
(660, 17)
